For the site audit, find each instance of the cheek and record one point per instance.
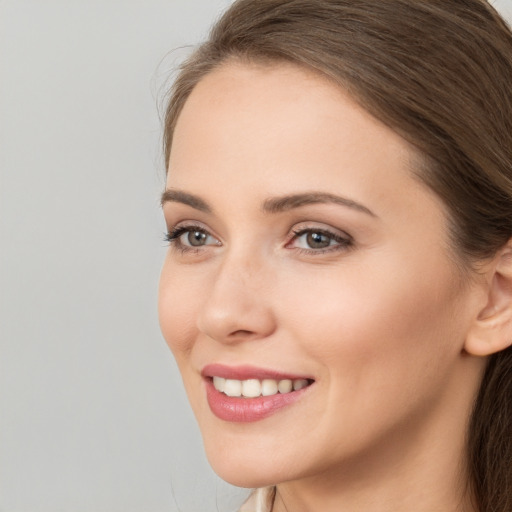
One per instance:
(372, 328)
(385, 345)
(177, 310)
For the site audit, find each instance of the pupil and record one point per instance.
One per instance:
(318, 240)
(196, 238)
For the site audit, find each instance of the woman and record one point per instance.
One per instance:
(338, 287)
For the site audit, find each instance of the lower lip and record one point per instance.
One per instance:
(244, 410)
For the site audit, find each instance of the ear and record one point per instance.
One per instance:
(492, 329)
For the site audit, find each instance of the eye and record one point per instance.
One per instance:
(194, 238)
(315, 240)
(190, 237)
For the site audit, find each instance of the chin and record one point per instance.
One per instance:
(243, 467)
(244, 475)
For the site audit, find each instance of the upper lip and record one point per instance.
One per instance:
(246, 372)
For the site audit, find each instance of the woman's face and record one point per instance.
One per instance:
(303, 249)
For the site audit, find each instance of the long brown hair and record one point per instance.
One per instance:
(439, 73)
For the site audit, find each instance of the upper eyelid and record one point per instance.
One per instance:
(331, 231)
(189, 224)
(320, 227)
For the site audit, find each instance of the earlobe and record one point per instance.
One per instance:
(492, 329)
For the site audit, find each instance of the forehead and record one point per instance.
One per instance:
(277, 94)
(277, 108)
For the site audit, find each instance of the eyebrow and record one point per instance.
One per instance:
(271, 205)
(288, 202)
(178, 196)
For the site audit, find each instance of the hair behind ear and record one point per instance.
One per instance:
(490, 436)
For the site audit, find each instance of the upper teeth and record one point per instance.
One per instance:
(253, 388)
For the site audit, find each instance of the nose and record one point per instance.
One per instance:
(237, 304)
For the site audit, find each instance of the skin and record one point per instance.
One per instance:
(380, 322)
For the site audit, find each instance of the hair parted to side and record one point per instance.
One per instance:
(439, 73)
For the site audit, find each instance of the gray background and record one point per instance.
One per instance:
(92, 414)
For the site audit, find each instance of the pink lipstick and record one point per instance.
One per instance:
(246, 393)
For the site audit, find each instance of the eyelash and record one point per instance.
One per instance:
(173, 236)
(343, 243)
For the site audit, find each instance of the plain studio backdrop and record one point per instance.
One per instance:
(93, 417)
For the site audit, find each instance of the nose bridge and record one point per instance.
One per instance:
(242, 268)
(238, 301)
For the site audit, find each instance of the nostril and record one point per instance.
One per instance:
(242, 332)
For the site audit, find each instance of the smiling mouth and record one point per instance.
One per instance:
(254, 388)
(244, 394)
